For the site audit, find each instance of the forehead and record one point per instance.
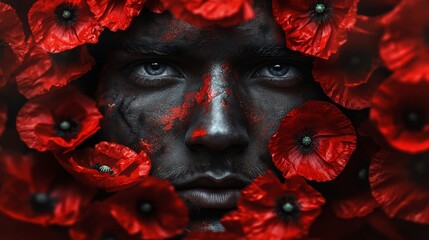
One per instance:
(163, 32)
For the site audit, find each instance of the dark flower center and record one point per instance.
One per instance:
(320, 11)
(67, 128)
(414, 120)
(42, 203)
(108, 236)
(362, 176)
(355, 61)
(419, 169)
(287, 209)
(103, 169)
(66, 14)
(306, 141)
(146, 209)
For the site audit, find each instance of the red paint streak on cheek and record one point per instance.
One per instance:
(199, 133)
(179, 113)
(146, 146)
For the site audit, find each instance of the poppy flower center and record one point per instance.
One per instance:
(66, 14)
(355, 61)
(362, 176)
(305, 140)
(146, 209)
(286, 208)
(103, 169)
(419, 169)
(414, 120)
(320, 11)
(42, 203)
(66, 128)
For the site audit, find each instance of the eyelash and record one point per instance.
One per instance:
(292, 78)
(148, 80)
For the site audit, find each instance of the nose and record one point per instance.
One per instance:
(220, 123)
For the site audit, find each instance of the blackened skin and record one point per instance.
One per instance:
(202, 101)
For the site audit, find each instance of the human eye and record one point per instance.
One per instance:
(279, 74)
(154, 74)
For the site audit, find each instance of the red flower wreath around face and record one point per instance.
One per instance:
(406, 38)
(268, 209)
(317, 150)
(12, 42)
(59, 25)
(400, 110)
(315, 27)
(42, 71)
(400, 183)
(109, 165)
(60, 120)
(151, 208)
(205, 13)
(35, 189)
(115, 14)
(351, 76)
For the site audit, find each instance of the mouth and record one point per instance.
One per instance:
(211, 192)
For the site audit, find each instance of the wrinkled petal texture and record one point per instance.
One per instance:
(42, 71)
(258, 202)
(335, 142)
(204, 13)
(115, 14)
(405, 41)
(36, 121)
(171, 214)
(54, 37)
(27, 175)
(395, 99)
(128, 167)
(395, 187)
(306, 35)
(12, 42)
(350, 77)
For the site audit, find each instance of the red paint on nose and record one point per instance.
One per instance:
(199, 133)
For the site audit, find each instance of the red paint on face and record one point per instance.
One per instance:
(146, 146)
(179, 113)
(198, 133)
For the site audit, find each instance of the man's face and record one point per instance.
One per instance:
(203, 102)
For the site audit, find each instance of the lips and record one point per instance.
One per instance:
(211, 191)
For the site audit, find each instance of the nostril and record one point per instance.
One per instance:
(231, 141)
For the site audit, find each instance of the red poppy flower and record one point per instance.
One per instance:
(60, 25)
(401, 111)
(204, 13)
(268, 209)
(115, 14)
(3, 118)
(60, 120)
(98, 224)
(42, 71)
(108, 165)
(151, 208)
(376, 8)
(406, 38)
(351, 76)
(350, 191)
(35, 189)
(12, 42)
(399, 183)
(315, 27)
(17, 230)
(316, 150)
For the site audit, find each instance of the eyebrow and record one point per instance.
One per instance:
(148, 48)
(269, 50)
